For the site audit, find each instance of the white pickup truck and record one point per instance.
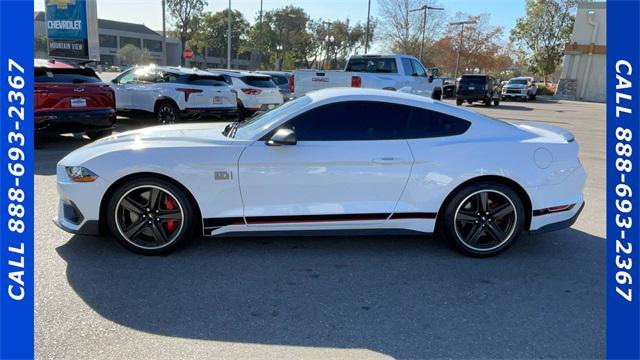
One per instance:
(389, 72)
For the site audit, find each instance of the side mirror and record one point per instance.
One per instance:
(114, 81)
(430, 78)
(283, 137)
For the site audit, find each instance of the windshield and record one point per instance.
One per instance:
(249, 128)
(64, 75)
(518, 81)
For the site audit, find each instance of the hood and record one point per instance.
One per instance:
(550, 133)
(182, 135)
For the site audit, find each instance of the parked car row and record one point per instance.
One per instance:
(73, 99)
(487, 89)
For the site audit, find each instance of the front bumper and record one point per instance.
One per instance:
(79, 204)
(61, 122)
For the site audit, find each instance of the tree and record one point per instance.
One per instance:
(186, 15)
(282, 38)
(211, 37)
(543, 31)
(480, 47)
(401, 30)
(133, 55)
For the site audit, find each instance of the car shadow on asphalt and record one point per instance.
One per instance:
(407, 297)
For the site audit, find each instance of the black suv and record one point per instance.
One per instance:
(479, 87)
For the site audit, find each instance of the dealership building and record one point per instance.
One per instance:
(585, 56)
(113, 35)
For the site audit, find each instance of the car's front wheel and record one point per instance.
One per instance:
(483, 219)
(151, 216)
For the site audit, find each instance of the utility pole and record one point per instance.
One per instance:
(229, 37)
(260, 37)
(366, 35)
(164, 33)
(462, 24)
(424, 9)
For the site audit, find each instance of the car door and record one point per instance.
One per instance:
(123, 87)
(144, 91)
(351, 162)
(420, 80)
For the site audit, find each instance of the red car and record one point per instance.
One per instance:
(70, 99)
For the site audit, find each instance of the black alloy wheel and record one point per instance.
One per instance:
(167, 113)
(150, 216)
(484, 219)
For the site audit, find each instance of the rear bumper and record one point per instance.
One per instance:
(231, 111)
(60, 122)
(472, 97)
(563, 224)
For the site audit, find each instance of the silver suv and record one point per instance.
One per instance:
(523, 88)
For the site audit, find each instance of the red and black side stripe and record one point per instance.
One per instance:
(213, 223)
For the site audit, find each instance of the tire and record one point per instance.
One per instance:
(462, 219)
(458, 102)
(469, 102)
(487, 102)
(152, 235)
(496, 102)
(533, 97)
(167, 113)
(95, 135)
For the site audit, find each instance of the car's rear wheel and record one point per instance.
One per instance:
(496, 102)
(167, 113)
(151, 216)
(483, 219)
(458, 102)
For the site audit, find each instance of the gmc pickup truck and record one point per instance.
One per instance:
(389, 72)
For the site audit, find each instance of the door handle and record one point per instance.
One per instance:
(386, 160)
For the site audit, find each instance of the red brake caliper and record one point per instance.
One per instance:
(169, 204)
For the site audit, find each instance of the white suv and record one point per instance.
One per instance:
(172, 93)
(256, 92)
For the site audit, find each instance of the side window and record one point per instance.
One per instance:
(419, 70)
(351, 121)
(407, 67)
(127, 77)
(428, 124)
(167, 77)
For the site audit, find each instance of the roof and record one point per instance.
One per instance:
(110, 24)
(177, 69)
(236, 73)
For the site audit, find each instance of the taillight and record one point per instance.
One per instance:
(291, 84)
(356, 81)
(251, 91)
(187, 92)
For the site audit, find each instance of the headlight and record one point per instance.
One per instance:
(80, 174)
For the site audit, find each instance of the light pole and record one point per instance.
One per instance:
(366, 35)
(280, 52)
(260, 37)
(462, 24)
(229, 37)
(424, 9)
(164, 32)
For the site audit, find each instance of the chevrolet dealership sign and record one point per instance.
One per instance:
(72, 29)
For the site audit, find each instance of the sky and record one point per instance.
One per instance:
(149, 12)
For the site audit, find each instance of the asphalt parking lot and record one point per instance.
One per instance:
(329, 297)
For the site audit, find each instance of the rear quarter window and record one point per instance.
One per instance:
(206, 80)
(429, 124)
(68, 76)
(258, 81)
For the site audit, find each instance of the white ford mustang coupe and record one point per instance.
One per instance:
(335, 160)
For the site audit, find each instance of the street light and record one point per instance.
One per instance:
(229, 37)
(366, 35)
(424, 9)
(462, 24)
(279, 48)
